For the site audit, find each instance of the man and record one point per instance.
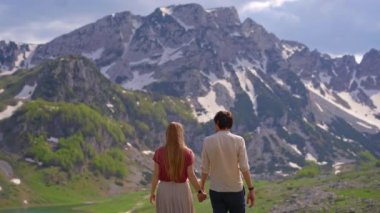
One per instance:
(224, 159)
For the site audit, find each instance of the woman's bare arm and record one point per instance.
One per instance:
(154, 183)
(194, 182)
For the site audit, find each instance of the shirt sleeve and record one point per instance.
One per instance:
(243, 160)
(156, 157)
(189, 158)
(205, 160)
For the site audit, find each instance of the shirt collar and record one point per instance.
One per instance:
(223, 131)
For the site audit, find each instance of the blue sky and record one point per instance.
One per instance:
(331, 26)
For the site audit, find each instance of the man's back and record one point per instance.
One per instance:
(223, 156)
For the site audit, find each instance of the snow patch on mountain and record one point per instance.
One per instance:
(294, 147)
(254, 72)
(15, 181)
(323, 126)
(318, 106)
(247, 87)
(337, 167)
(358, 58)
(20, 58)
(358, 110)
(8, 112)
(143, 61)
(213, 79)
(29, 55)
(139, 81)
(170, 54)
(364, 125)
(1, 91)
(208, 102)
(294, 165)
(104, 70)
(26, 92)
(288, 51)
(235, 34)
(244, 64)
(94, 54)
(279, 81)
(147, 152)
(376, 100)
(166, 11)
(361, 110)
(297, 96)
(310, 157)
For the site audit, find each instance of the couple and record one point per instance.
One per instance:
(224, 159)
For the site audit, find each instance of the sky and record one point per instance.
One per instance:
(335, 27)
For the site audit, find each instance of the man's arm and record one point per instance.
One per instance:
(194, 182)
(203, 180)
(205, 167)
(251, 190)
(244, 168)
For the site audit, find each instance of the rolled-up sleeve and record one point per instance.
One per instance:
(243, 160)
(205, 160)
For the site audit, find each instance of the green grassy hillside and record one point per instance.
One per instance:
(356, 190)
(77, 126)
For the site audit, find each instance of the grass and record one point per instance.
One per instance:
(120, 203)
(85, 187)
(353, 189)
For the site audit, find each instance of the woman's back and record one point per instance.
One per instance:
(161, 158)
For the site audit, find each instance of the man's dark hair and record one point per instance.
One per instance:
(223, 119)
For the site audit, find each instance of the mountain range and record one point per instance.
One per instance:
(290, 103)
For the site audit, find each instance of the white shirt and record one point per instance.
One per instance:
(224, 156)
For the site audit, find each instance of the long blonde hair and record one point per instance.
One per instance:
(175, 145)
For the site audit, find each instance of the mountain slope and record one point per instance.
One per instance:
(67, 117)
(14, 56)
(290, 103)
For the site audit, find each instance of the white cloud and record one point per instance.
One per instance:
(256, 6)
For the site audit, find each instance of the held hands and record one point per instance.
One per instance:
(201, 196)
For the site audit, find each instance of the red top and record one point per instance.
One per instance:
(159, 157)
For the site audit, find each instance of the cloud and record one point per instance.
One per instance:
(38, 32)
(256, 6)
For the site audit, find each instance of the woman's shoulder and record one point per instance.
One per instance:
(188, 151)
(160, 149)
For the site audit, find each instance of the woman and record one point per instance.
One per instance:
(173, 166)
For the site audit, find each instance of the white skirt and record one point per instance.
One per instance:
(174, 198)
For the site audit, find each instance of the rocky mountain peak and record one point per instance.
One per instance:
(370, 65)
(72, 79)
(249, 27)
(226, 16)
(259, 34)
